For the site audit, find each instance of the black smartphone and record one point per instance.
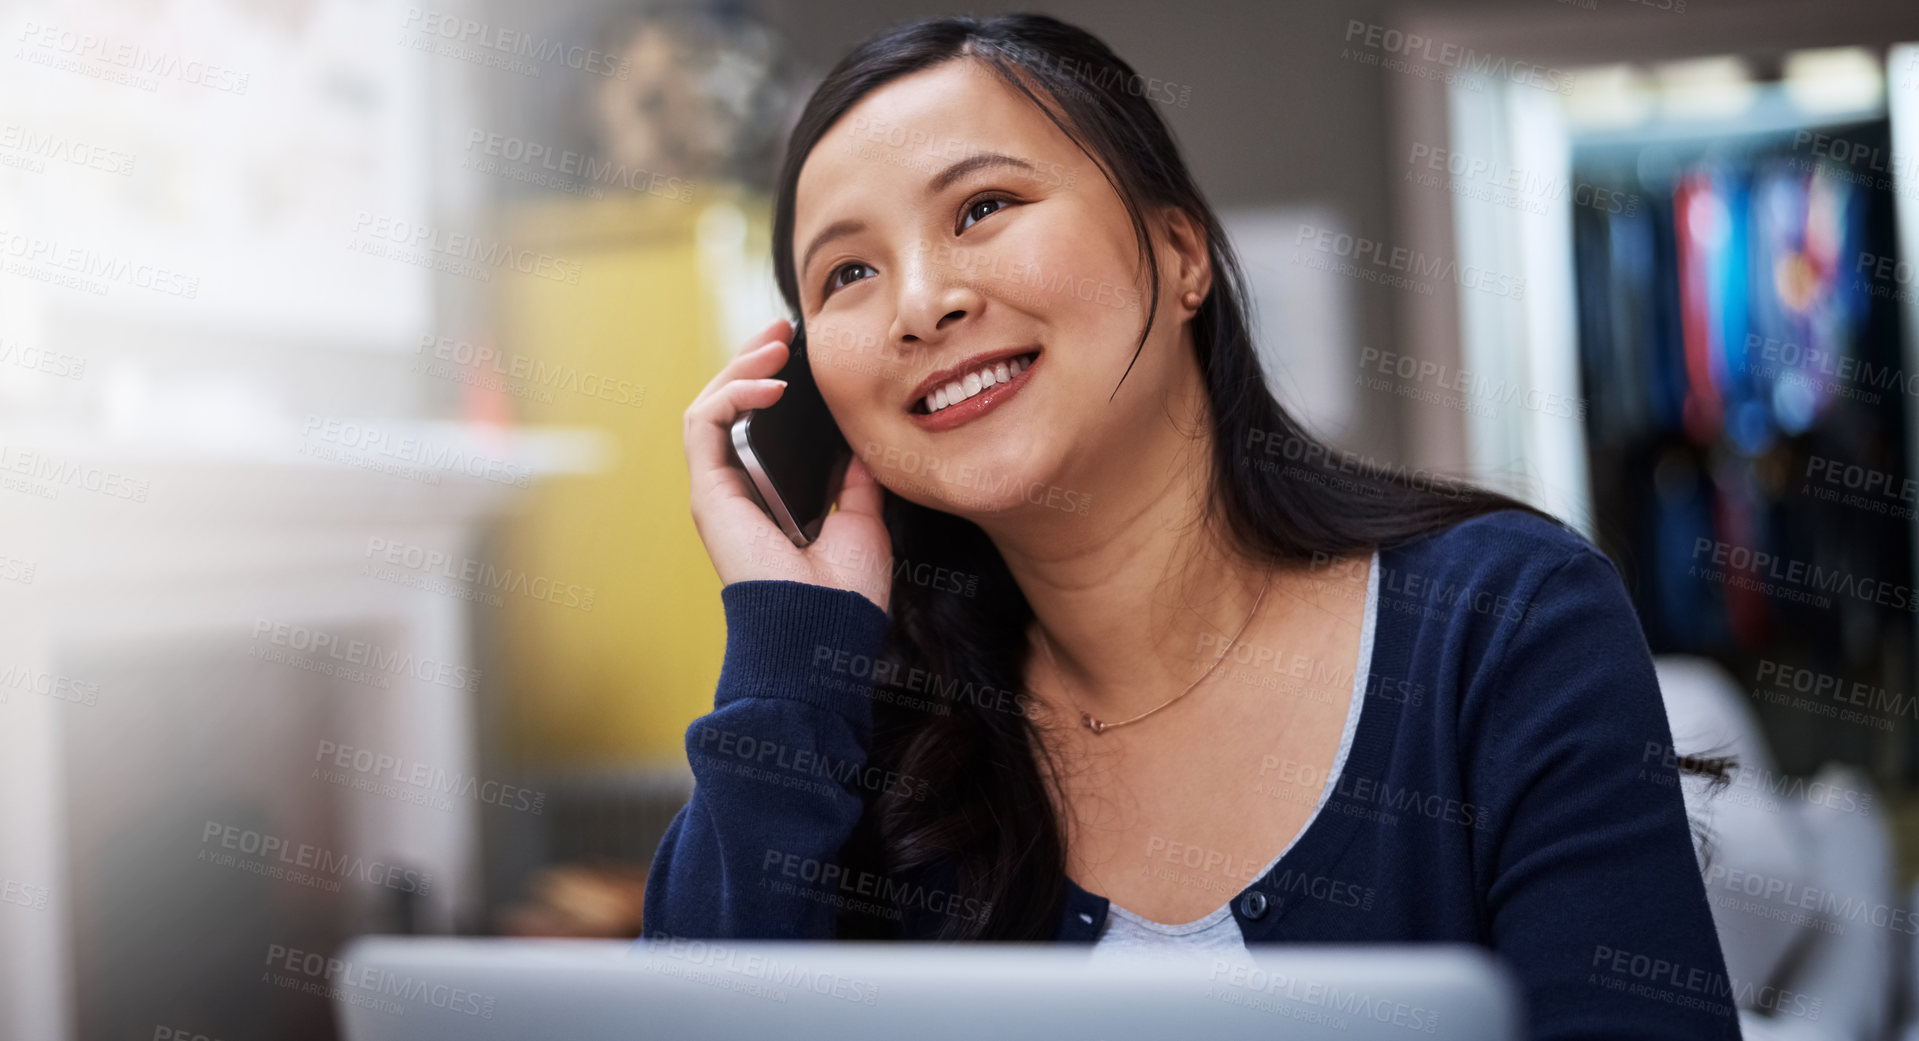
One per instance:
(794, 454)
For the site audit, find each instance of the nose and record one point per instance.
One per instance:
(932, 302)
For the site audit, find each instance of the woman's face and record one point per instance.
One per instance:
(945, 229)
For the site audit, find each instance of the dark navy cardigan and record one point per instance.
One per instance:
(1510, 784)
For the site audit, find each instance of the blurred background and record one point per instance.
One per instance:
(346, 578)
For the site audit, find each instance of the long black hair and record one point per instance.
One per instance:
(980, 816)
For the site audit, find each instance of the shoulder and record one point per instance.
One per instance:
(1485, 579)
(1505, 549)
(1519, 619)
(1518, 534)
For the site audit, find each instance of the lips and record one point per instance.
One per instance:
(1019, 365)
(969, 379)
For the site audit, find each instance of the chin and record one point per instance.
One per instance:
(976, 483)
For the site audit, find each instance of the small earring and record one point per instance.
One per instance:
(1192, 299)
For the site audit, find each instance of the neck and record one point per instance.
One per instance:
(1139, 597)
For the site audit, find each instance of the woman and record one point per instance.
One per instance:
(1101, 646)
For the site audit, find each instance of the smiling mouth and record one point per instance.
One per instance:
(972, 384)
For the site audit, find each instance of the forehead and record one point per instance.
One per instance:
(901, 134)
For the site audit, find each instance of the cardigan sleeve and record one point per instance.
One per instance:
(777, 767)
(1595, 897)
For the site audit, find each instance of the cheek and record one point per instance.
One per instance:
(856, 392)
(1076, 269)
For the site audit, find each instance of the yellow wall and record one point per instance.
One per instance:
(618, 683)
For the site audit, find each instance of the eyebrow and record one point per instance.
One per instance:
(938, 183)
(981, 161)
(836, 230)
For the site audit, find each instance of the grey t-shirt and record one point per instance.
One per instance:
(1128, 933)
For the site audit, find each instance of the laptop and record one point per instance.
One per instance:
(435, 989)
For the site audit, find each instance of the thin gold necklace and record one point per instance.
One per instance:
(1100, 726)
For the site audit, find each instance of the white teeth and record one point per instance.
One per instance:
(973, 382)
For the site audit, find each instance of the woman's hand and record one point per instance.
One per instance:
(853, 551)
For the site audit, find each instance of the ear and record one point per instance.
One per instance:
(1193, 263)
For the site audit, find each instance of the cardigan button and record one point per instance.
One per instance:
(1253, 905)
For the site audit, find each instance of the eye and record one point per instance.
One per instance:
(973, 211)
(834, 281)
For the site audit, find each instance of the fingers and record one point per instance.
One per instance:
(741, 384)
(781, 330)
(755, 359)
(709, 422)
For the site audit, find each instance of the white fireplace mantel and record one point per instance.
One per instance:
(231, 537)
